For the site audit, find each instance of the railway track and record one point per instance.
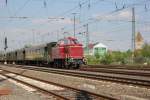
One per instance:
(124, 77)
(64, 94)
(127, 67)
(79, 94)
(118, 71)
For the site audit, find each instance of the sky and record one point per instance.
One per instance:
(35, 22)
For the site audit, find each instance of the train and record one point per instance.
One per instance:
(65, 53)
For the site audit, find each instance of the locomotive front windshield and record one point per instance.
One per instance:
(62, 42)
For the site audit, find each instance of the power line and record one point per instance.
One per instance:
(70, 10)
(108, 13)
(22, 7)
(112, 12)
(18, 10)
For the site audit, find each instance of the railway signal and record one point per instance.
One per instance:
(5, 48)
(5, 43)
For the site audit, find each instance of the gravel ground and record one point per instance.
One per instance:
(120, 91)
(17, 91)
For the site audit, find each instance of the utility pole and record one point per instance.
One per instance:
(74, 25)
(133, 31)
(62, 30)
(33, 32)
(87, 37)
(57, 35)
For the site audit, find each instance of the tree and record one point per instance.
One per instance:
(146, 50)
(27, 46)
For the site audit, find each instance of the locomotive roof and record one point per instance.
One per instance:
(36, 47)
(71, 38)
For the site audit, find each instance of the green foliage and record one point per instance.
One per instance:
(97, 56)
(92, 59)
(145, 52)
(28, 46)
(139, 59)
(148, 61)
(118, 56)
(114, 57)
(121, 57)
(142, 56)
(107, 59)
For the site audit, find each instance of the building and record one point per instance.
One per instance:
(96, 49)
(139, 41)
(100, 49)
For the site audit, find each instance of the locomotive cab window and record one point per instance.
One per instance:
(62, 42)
(74, 41)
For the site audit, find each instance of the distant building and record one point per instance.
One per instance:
(139, 41)
(100, 49)
(96, 49)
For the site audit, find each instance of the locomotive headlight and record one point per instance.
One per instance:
(71, 59)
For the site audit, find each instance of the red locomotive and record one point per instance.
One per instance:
(68, 52)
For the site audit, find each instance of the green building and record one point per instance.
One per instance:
(99, 49)
(96, 49)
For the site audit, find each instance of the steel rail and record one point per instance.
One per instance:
(128, 67)
(68, 87)
(118, 71)
(36, 87)
(76, 73)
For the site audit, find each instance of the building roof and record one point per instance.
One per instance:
(94, 45)
(91, 45)
(139, 37)
(100, 45)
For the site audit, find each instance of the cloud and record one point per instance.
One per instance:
(121, 15)
(13, 30)
(125, 15)
(53, 20)
(65, 21)
(2, 3)
(146, 28)
(39, 21)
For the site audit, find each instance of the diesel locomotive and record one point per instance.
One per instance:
(66, 53)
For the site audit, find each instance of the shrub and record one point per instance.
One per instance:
(92, 59)
(139, 60)
(145, 52)
(107, 59)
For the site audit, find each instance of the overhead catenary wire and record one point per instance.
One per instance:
(83, 23)
(83, 3)
(112, 12)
